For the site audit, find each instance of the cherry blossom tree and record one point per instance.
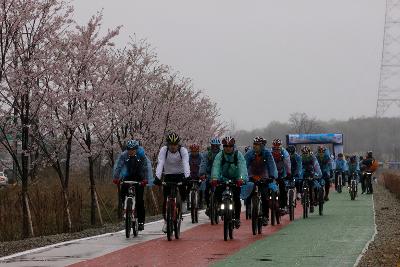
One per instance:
(30, 29)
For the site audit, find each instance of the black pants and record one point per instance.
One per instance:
(327, 179)
(207, 193)
(176, 178)
(282, 192)
(139, 190)
(236, 198)
(364, 185)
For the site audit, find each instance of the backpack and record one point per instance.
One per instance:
(179, 150)
(235, 159)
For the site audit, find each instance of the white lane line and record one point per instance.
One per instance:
(371, 240)
(31, 251)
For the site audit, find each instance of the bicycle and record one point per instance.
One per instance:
(273, 204)
(213, 207)
(256, 208)
(306, 196)
(174, 211)
(131, 221)
(227, 209)
(193, 201)
(353, 186)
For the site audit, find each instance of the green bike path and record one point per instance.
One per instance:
(335, 239)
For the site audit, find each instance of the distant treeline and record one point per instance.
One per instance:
(381, 135)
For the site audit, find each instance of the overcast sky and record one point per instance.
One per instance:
(262, 60)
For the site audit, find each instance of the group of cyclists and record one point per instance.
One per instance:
(278, 167)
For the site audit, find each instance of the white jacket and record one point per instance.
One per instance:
(173, 164)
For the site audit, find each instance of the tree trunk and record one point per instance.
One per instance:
(27, 227)
(94, 200)
(67, 211)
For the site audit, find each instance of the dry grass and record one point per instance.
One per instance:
(391, 180)
(47, 207)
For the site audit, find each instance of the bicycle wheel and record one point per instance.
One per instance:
(169, 222)
(216, 216)
(231, 226)
(128, 218)
(178, 216)
(305, 203)
(193, 205)
(260, 219)
(254, 214)
(227, 220)
(291, 204)
(212, 208)
(273, 208)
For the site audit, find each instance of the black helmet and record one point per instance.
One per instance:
(173, 139)
(291, 149)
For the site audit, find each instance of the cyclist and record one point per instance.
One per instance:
(369, 164)
(283, 164)
(354, 168)
(325, 163)
(229, 164)
(311, 169)
(341, 166)
(206, 166)
(261, 165)
(133, 165)
(173, 162)
(297, 168)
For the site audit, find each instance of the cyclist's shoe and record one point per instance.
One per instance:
(298, 197)
(237, 223)
(326, 198)
(141, 227)
(363, 192)
(164, 229)
(265, 221)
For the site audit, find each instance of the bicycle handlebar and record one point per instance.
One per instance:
(130, 182)
(172, 183)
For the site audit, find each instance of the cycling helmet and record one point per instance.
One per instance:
(228, 141)
(258, 140)
(264, 141)
(132, 144)
(194, 148)
(340, 155)
(291, 149)
(305, 150)
(277, 143)
(321, 149)
(247, 148)
(215, 141)
(173, 139)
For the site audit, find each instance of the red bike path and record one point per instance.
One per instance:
(200, 246)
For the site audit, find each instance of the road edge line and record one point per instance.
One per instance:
(26, 252)
(371, 240)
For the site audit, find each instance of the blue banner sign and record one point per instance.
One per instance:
(296, 139)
